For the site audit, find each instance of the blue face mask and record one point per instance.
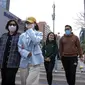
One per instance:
(67, 32)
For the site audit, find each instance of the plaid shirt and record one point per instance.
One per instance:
(14, 56)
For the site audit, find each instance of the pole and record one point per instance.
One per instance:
(84, 11)
(53, 17)
(53, 26)
(7, 4)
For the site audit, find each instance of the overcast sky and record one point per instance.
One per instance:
(66, 11)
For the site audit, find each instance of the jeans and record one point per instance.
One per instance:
(56, 63)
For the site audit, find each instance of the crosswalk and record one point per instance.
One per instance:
(58, 77)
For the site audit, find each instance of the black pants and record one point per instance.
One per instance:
(49, 68)
(8, 76)
(70, 64)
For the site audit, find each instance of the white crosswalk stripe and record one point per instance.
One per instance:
(58, 77)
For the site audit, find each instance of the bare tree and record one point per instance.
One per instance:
(80, 20)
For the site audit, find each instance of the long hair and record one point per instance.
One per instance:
(9, 23)
(47, 40)
(36, 27)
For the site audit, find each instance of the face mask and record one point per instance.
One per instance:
(27, 26)
(33, 25)
(50, 39)
(12, 28)
(67, 32)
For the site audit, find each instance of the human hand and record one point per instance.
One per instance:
(47, 59)
(30, 54)
(81, 58)
(28, 26)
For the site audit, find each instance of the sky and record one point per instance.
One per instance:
(66, 12)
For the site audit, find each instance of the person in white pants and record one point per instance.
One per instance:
(24, 72)
(33, 78)
(31, 54)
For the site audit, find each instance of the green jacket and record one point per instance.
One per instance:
(50, 50)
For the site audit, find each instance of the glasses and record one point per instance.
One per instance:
(12, 24)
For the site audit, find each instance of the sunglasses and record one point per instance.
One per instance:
(12, 24)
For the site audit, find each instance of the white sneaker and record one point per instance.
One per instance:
(82, 70)
(55, 71)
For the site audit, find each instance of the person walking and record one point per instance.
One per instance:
(9, 55)
(30, 51)
(69, 50)
(50, 50)
(57, 58)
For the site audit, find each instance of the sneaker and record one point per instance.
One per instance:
(81, 67)
(55, 71)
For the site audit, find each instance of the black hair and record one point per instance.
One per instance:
(68, 26)
(9, 23)
(36, 27)
(83, 51)
(47, 40)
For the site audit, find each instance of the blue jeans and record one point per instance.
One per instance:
(56, 63)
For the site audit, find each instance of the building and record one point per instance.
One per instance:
(84, 10)
(82, 35)
(5, 16)
(5, 4)
(43, 27)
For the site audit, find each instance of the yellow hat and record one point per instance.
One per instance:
(31, 20)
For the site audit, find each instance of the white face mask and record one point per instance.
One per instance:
(32, 26)
(26, 25)
(12, 28)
